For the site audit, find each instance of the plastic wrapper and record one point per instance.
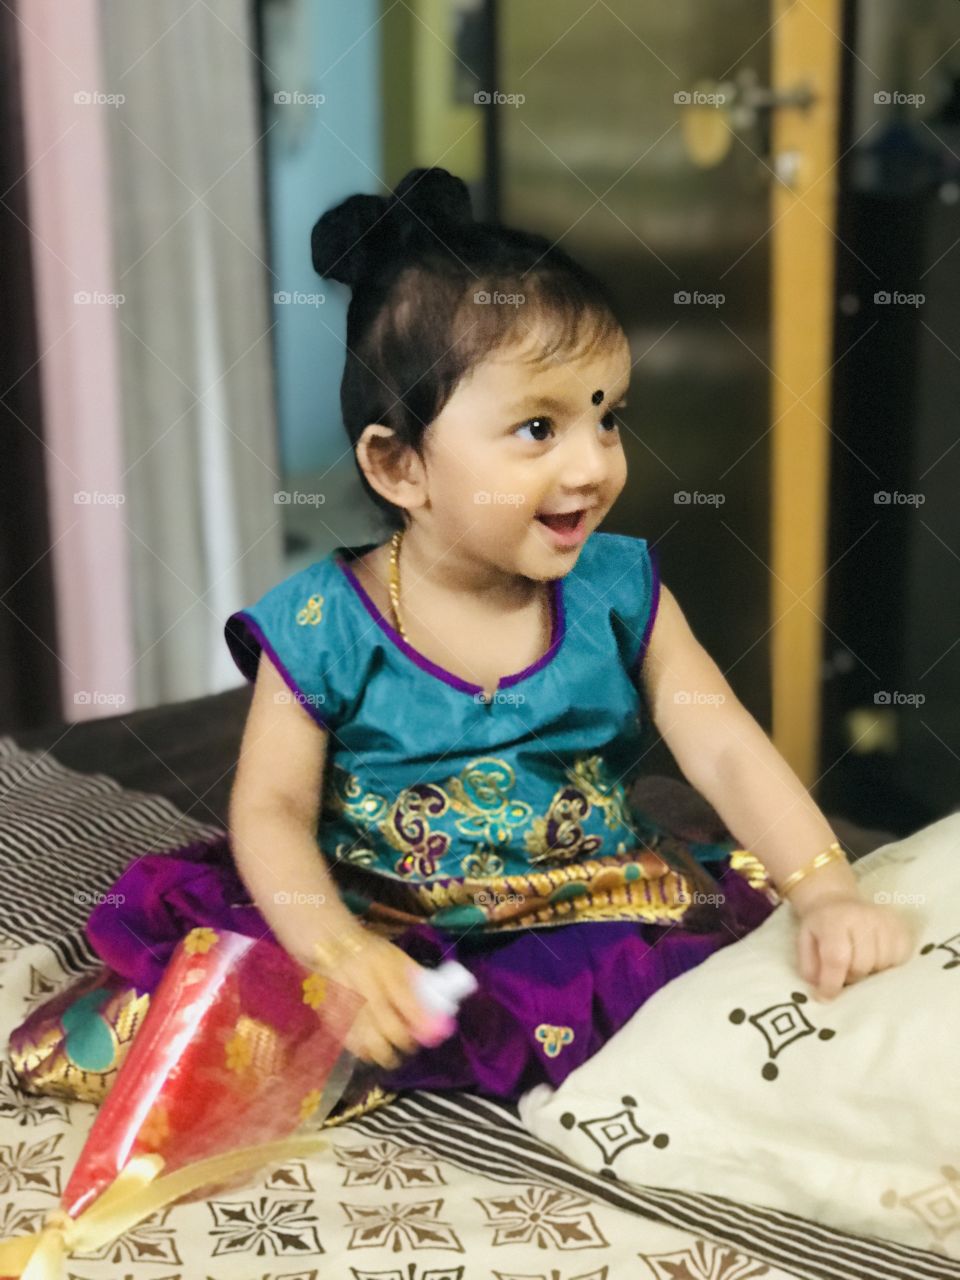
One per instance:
(240, 1047)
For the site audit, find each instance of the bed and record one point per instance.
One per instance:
(433, 1186)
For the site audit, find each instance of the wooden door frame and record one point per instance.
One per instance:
(806, 46)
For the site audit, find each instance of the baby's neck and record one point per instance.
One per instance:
(479, 638)
(449, 576)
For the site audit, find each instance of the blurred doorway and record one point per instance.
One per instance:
(891, 669)
(596, 156)
(685, 152)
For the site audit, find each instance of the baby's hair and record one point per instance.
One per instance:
(433, 293)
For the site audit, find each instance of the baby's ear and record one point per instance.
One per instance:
(374, 431)
(391, 467)
(379, 448)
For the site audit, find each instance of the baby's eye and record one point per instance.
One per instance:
(543, 423)
(609, 419)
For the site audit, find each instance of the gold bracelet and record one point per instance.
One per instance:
(830, 854)
(328, 953)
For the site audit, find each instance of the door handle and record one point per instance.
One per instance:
(752, 98)
(715, 111)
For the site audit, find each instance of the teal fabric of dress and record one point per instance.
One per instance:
(430, 783)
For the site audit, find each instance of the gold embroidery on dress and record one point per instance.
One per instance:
(311, 613)
(407, 829)
(481, 792)
(346, 795)
(610, 797)
(559, 834)
(749, 866)
(482, 862)
(360, 855)
(488, 813)
(403, 824)
(553, 1038)
(643, 889)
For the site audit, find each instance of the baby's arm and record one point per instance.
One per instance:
(274, 808)
(731, 761)
(726, 755)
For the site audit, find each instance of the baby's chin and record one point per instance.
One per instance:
(542, 561)
(524, 548)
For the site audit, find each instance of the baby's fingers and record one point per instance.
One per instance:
(894, 947)
(366, 1041)
(389, 1020)
(864, 960)
(835, 955)
(403, 994)
(375, 1047)
(807, 963)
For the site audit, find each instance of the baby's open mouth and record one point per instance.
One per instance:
(567, 522)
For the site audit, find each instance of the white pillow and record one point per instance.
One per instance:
(733, 1080)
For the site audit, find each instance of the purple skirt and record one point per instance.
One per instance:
(547, 998)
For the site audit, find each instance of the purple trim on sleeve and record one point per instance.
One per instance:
(238, 630)
(440, 673)
(654, 605)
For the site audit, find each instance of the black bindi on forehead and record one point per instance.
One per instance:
(597, 397)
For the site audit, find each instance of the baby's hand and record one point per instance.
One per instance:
(843, 939)
(392, 1021)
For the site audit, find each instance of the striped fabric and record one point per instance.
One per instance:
(64, 838)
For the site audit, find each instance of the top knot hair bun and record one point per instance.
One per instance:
(350, 237)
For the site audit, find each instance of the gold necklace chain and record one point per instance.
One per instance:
(395, 580)
(395, 542)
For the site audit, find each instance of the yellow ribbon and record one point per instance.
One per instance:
(133, 1195)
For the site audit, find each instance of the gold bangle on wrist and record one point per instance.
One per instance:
(328, 953)
(830, 854)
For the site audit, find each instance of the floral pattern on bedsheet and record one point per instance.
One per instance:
(370, 1207)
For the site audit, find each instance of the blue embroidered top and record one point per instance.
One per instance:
(453, 805)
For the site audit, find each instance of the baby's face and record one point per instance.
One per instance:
(519, 440)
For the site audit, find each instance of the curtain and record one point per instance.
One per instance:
(194, 316)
